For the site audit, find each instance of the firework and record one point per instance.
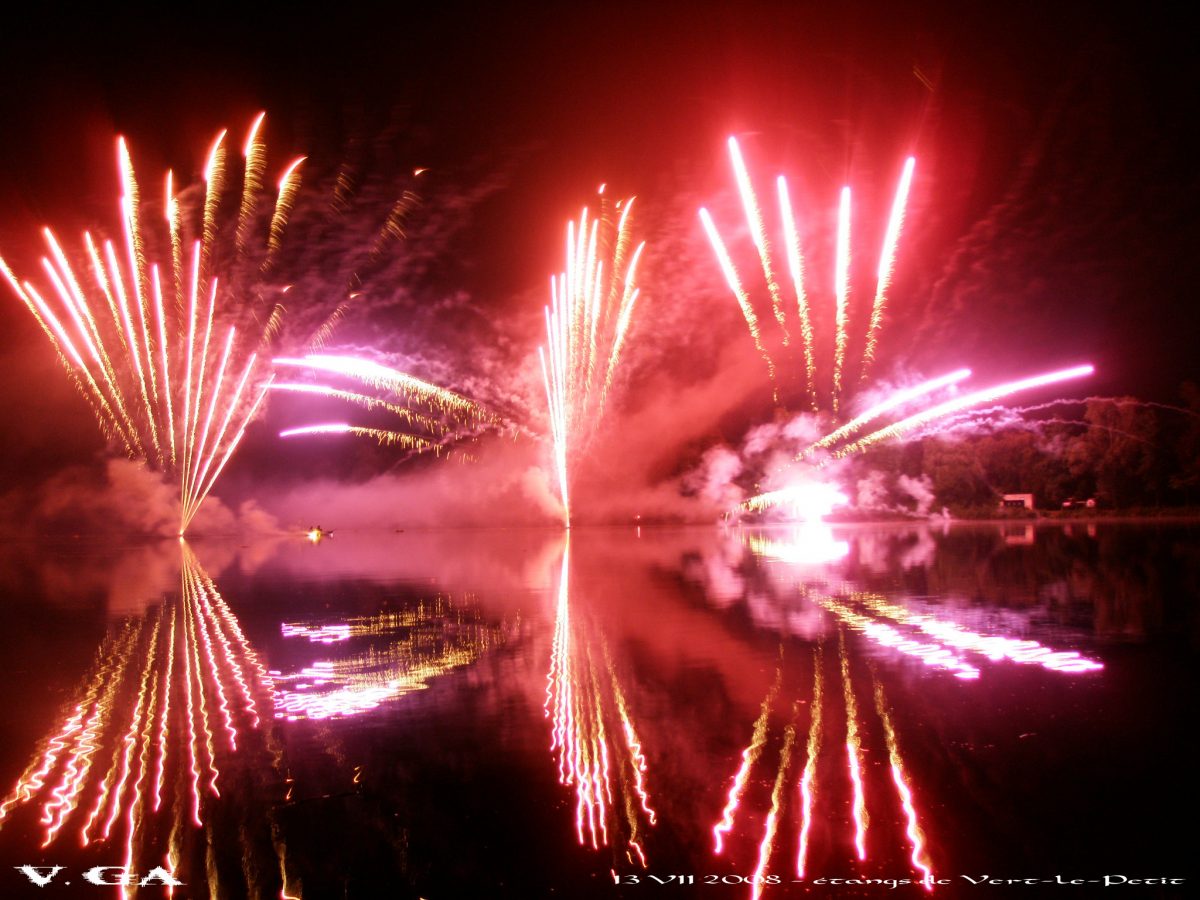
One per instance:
(796, 271)
(587, 323)
(800, 498)
(439, 415)
(838, 441)
(160, 358)
(976, 398)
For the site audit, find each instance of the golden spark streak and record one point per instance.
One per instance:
(214, 181)
(887, 262)
(230, 447)
(231, 408)
(67, 286)
(796, 269)
(289, 186)
(735, 286)
(117, 280)
(366, 401)
(135, 251)
(255, 152)
(166, 366)
(190, 475)
(758, 232)
(842, 288)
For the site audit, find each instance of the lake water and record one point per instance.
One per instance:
(807, 711)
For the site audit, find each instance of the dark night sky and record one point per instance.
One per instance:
(1054, 215)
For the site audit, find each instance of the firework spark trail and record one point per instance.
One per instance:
(758, 232)
(143, 364)
(289, 187)
(842, 293)
(199, 497)
(986, 395)
(887, 263)
(854, 759)
(381, 377)
(198, 392)
(587, 324)
(160, 317)
(750, 756)
(916, 836)
(777, 800)
(796, 270)
(191, 472)
(894, 401)
(366, 401)
(214, 182)
(67, 287)
(384, 437)
(113, 276)
(135, 254)
(808, 779)
(255, 154)
(735, 285)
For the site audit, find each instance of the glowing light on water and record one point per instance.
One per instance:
(811, 544)
(160, 404)
(913, 831)
(593, 736)
(808, 779)
(104, 771)
(934, 655)
(809, 500)
(587, 323)
(854, 760)
(994, 647)
(772, 822)
(749, 756)
(388, 656)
